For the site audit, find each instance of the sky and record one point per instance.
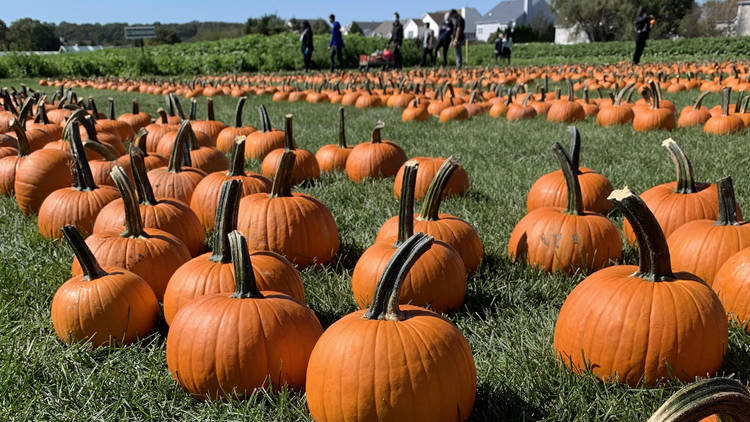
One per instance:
(173, 11)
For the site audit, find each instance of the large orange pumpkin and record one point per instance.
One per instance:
(375, 159)
(305, 164)
(457, 185)
(178, 179)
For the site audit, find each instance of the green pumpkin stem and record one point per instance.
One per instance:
(177, 156)
(683, 166)
(24, 149)
(111, 103)
(136, 109)
(41, 111)
(237, 160)
(89, 266)
(282, 181)
(385, 301)
(226, 220)
(244, 279)
(434, 196)
(699, 101)
(575, 198)
(653, 254)
(265, 121)
(342, 129)
(726, 94)
(738, 102)
(406, 203)
(288, 133)
(176, 102)
(210, 109)
(162, 116)
(140, 177)
(375, 136)
(724, 397)
(193, 109)
(238, 112)
(133, 221)
(574, 154)
(727, 203)
(83, 179)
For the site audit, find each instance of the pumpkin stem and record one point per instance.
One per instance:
(282, 181)
(89, 266)
(575, 198)
(342, 131)
(88, 123)
(176, 102)
(244, 279)
(685, 176)
(111, 102)
(237, 160)
(385, 301)
(210, 109)
(136, 109)
(265, 121)
(226, 220)
(727, 203)
(41, 111)
(133, 221)
(163, 116)
(375, 136)
(170, 105)
(84, 180)
(434, 196)
(24, 149)
(406, 203)
(738, 102)
(140, 139)
(653, 254)
(100, 149)
(193, 109)
(92, 107)
(288, 133)
(655, 97)
(558, 93)
(574, 154)
(699, 101)
(140, 178)
(726, 93)
(725, 397)
(238, 112)
(176, 157)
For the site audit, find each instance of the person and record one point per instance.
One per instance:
(498, 46)
(459, 25)
(444, 39)
(336, 46)
(306, 41)
(397, 38)
(507, 45)
(642, 30)
(428, 40)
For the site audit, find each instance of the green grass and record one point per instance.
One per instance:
(508, 316)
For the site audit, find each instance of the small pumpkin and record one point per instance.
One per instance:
(725, 123)
(375, 159)
(136, 119)
(617, 113)
(225, 139)
(265, 140)
(332, 157)
(178, 179)
(566, 110)
(696, 114)
(305, 164)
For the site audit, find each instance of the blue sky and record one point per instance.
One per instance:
(169, 11)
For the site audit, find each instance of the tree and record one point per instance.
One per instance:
(3, 31)
(668, 15)
(266, 25)
(31, 35)
(355, 29)
(320, 26)
(165, 35)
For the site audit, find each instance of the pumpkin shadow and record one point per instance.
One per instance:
(481, 293)
(500, 403)
(737, 358)
(347, 258)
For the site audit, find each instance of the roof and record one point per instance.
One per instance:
(366, 25)
(504, 12)
(383, 30)
(438, 16)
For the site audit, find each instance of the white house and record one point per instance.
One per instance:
(470, 15)
(75, 48)
(570, 35)
(511, 13)
(413, 28)
(366, 26)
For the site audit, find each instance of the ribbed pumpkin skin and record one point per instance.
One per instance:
(202, 277)
(732, 285)
(83, 309)
(178, 186)
(550, 191)
(71, 206)
(305, 165)
(166, 142)
(458, 183)
(154, 259)
(209, 159)
(724, 125)
(169, 215)
(628, 327)
(8, 167)
(212, 128)
(259, 144)
(653, 119)
(225, 140)
(38, 175)
(359, 365)
(437, 279)
(332, 157)
(700, 247)
(691, 117)
(672, 210)
(205, 198)
(449, 229)
(218, 344)
(565, 111)
(418, 114)
(614, 115)
(299, 227)
(552, 240)
(375, 160)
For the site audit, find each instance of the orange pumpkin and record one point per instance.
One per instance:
(566, 110)
(457, 185)
(332, 157)
(375, 159)
(694, 115)
(305, 164)
(724, 123)
(174, 180)
(265, 140)
(225, 139)
(618, 113)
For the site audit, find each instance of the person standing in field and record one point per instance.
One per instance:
(397, 38)
(336, 46)
(444, 39)
(306, 41)
(459, 25)
(428, 40)
(498, 47)
(643, 23)
(507, 45)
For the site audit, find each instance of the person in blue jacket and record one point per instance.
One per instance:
(336, 46)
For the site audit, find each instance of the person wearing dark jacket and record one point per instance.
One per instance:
(459, 25)
(397, 38)
(444, 39)
(642, 30)
(306, 41)
(336, 46)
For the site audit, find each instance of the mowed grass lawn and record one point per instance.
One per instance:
(509, 313)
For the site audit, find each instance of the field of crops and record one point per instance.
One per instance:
(510, 310)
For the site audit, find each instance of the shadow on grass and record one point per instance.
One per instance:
(502, 404)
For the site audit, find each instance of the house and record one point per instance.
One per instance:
(75, 48)
(366, 26)
(413, 28)
(511, 13)
(742, 26)
(471, 17)
(383, 30)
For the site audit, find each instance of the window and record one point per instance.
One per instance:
(479, 30)
(410, 35)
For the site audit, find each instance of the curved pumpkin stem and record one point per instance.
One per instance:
(193, 109)
(265, 121)
(342, 129)
(140, 178)
(89, 266)
(83, 179)
(238, 112)
(385, 300)
(683, 166)
(727, 203)
(41, 111)
(375, 136)
(655, 98)
(177, 156)
(699, 101)
(226, 220)
(237, 160)
(133, 221)
(140, 140)
(162, 116)
(282, 180)
(170, 104)
(244, 279)
(434, 196)
(406, 202)
(574, 154)
(288, 133)
(100, 149)
(726, 94)
(575, 198)
(653, 254)
(92, 106)
(725, 397)
(177, 106)
(24, 149)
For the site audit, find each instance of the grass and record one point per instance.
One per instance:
(508, 316)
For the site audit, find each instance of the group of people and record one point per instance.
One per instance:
(335, 46)
(450, 33)
(504, 46)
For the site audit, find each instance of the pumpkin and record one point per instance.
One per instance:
(500, 108)
(453, 111)
(78, 205)
(708, 398)
(174, 180)
(53, 130)
(654, 117)
(694, 115)
(151, 253)
(642, 324)
(202, 157)
(391, 362)
(457, 185)
(305, 164)
(438, 278)
(111, 124)
(732, 285)
(618, 113)
(222, 344)
(102, 305)
(521, 111)
(157, 130)
(170, 215)
(297, 225)
(702, 246)
(724, 123)
(333, 156)
(415, 112)
(93, 131)
(566, 110)
(375, 159)
(225, 139)
(136, 119)
(206, 195)
(265, 140)
(9, 165)
(550, 190)
(590, 108)
(150, 160)
(210, 126)
(676, 203)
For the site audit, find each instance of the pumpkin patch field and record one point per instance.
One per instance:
(286, 249)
